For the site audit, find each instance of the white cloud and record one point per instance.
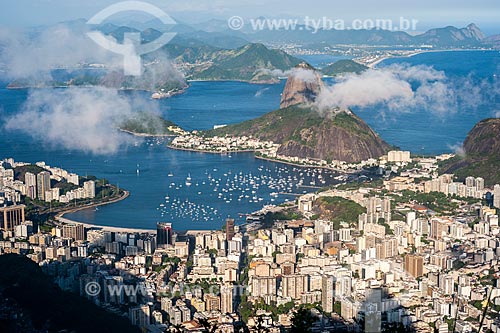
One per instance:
(368, 88)
(301, 73)
(26, 56)
(458, 149)
(397, 88)
(77, 118)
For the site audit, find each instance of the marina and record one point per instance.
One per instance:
(267, 185)
(151, 171)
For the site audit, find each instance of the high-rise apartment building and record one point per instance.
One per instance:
(30, 181)
(163, 234)
(414, 265)
(74, 231)
(328, 293)
(42, 184)
(89, 188)
(229, 229)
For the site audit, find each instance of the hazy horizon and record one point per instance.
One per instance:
(430, 14)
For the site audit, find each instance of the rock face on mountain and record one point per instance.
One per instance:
(303, 132)
(471, 35)
(345, 138)
(484, 138)
(473, 31)
(302, 86)
(481, 156)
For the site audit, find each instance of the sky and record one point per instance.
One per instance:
(429, 13)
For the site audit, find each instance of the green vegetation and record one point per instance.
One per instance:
(436, 201)
(343, 66)
(271, 307)
(149, 124)
(478, 305)
(388, 230)
(475, 166)
(245, 308)
(300, 128)
(288, 215)
(458, 264)
(156, 76)
(302, 320)
(65, 187)
(251, 62)
(20, 171)
(375, 183)
(339, 210)
(482, 154)
(40, 211)
(292, 120)
(247, 63)
(272, 124)
(23, 281)
(212, 252)
(337, 307)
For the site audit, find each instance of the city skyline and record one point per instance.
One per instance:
(252, 167)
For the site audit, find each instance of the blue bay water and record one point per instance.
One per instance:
(219, 181)
(322, 60)
(425, 132)
(222, 185)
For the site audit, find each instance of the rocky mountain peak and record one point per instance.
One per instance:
(302, 86)
(473, 31)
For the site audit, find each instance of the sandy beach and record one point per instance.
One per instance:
(412, 54)
(60, 217)
(106, 228)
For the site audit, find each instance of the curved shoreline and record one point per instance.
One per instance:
(60, 215)
(146, 135)
(235, 80)
(374, 64)
(211, 151)
(300, 165)
(258, 157)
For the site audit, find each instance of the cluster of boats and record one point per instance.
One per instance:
(204, 196)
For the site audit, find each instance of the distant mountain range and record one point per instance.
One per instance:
(218, 53)
(470, 36)
(217, 56)
(494, 41)
(199, 55)
(216, 33)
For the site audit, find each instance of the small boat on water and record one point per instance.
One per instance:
(188, 180)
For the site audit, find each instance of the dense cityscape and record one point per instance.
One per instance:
(424, 245)
(249, 167)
